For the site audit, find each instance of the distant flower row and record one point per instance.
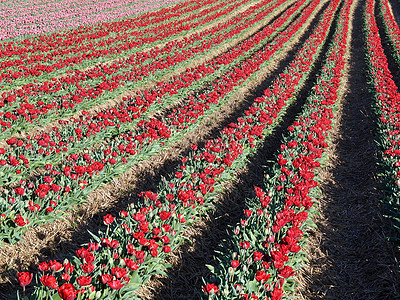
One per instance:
(42, 57)
(36, 104)
(21, 18)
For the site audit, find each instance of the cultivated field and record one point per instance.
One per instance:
(240, 149)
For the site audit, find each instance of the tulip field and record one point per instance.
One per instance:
(124, 124)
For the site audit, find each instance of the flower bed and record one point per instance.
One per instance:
(44, 58)
(58, 188)
(132, 248)
(266, 247)
(19, 18)
(40, 104)
(80, 134)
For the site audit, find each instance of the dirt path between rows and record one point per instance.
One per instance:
(349, 257)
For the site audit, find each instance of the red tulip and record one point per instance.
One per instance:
(24, 278)
(55, 265)
(49, 281)
(210, 289)
(235, 264)
(115, 284)
(67, 291)
(286, 272)
(43, 266)
(108, 219)
(84, 280)
(262, 276)
(118, 272)
(104, 278)
(87, 268)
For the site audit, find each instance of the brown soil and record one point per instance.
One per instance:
(349, 256)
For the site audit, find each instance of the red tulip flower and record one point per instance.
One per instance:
(49, 281)
(108, 219)
(211, 289)
(84, 280)
(67, 291)
(24, 278)
(115, 284)
(235, 264)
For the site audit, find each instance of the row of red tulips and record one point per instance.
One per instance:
(132, 248)
(58, 188)
(391, 28)
(61, 62)
(70, 37)
(266, 247)
(39, 104)
(23, 156)
(36, 49)
(85, 55)
(387, 108)
(19, 20)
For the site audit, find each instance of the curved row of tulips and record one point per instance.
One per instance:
(266, 247)
(40, 104)
(387, 108)
(58, 42)
(134, 245)
(37, 48)
(68, 139)
(139, 65)
(24, 156)
(58, 188)
(19, 69)
(391, 28)
(19, 19)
